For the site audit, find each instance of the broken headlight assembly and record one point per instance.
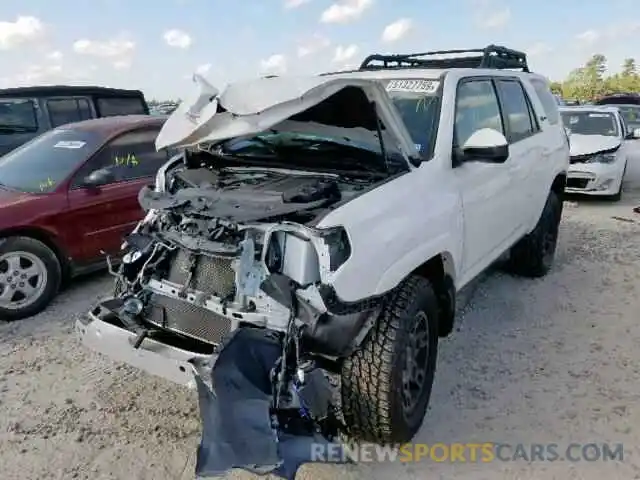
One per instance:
(603, 158)
(298, 257)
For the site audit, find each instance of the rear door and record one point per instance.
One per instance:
(64, 110)
(103, 216)
(529, 154)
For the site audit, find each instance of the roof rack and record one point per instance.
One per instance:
(492, 56)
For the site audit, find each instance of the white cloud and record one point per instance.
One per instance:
(538, 49)
(177, 38)
(55, 56)
(104, 49)
(344, 54)
(288, 4)
(497, 19)
(274, 65)
(345, 11)
(203, 69)
(396, 30)
(588, 37)
(117, 50)
(312, 45)
(23, 31)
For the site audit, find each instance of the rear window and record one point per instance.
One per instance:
(111, 107)
(17, 115)
(548, 100)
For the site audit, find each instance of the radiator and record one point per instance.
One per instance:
(212, 276)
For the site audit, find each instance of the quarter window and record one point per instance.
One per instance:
(519, 116)
(476, 108)
(110, 107)
(548, 101)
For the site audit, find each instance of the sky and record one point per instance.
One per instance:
(156, 46)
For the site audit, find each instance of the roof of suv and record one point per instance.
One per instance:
(491, 59)
(59, 90)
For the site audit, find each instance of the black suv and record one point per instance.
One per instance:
(26, 112)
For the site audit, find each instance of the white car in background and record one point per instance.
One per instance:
(600, 147)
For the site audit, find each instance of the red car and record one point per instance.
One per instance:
(66, 197)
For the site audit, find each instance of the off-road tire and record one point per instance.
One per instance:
(372, 378)
(533, 255)
(54, 275)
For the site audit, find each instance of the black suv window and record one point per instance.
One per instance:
(68, 110)
(516, 106)
(18, 114)
(476, 108)
(111, 107)
(549, 102)
(130, 156)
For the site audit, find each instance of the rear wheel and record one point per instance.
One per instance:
(533, 255)
(30, 276)
(386, 384)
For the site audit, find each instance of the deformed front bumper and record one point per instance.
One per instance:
(101, 331)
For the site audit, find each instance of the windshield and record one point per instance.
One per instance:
(417, 101)
(40, 165)
(328, 151)
(591, 123)
(17, 115)
(631, 115)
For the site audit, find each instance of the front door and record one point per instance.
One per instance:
(486, 189)
(106, 214)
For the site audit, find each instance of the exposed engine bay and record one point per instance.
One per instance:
(226, 249)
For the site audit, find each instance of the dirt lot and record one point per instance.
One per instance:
(551, 360)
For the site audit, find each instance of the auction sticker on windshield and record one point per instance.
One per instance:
(70, 144)
(414, 86)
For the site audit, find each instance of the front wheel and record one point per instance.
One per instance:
(30, 276)
(386, 383)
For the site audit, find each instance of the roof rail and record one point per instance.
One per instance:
(492, 56)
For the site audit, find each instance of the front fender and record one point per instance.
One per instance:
(414, 259)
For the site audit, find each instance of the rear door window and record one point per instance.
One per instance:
(111, 107)
(68, 110)
(520, 119)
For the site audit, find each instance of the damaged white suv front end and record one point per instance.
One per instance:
(232, 241)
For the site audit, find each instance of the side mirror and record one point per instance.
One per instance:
(98, 178)
(486, 145)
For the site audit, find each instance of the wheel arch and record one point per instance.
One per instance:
(440, 270)
(48, 238)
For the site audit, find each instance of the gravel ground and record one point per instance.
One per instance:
(549, 360)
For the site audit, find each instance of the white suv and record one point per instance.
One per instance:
(344, 211)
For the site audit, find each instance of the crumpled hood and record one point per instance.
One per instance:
(589, 144)
(254, 106)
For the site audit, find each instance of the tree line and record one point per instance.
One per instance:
(584, 83)
(591, 81)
